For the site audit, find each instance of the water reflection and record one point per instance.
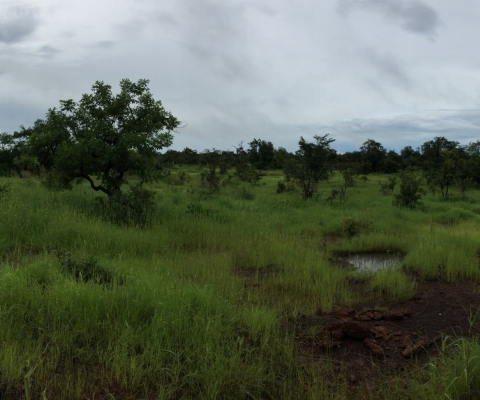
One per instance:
(373, 261)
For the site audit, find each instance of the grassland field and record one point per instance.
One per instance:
(199, 298)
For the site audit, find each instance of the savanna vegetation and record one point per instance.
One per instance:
(184, 274)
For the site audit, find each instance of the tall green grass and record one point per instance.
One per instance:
(203, 292)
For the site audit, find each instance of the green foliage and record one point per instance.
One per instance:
(393, 285)
(209, 176)
(373, 154)
(85, 269)
(248, 173)
(217, 282)
(313, 162)
(447, 172)
(245, 194)
(283, 187)
(389, 186)
(135, 207)
(350, 227)
(4, 190)
(177, 179)
(103, 136)
(410, 191)
(261, 153)
(211, 179)
(246, 161)
(333, 195)
(349, 177)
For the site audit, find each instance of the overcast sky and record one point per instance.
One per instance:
(397, 71)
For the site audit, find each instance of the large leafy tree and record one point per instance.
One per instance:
(261, 153)
(312, 163)
(373, 155)
(104, 136)
(432, 151)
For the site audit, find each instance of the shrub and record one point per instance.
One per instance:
(86, 270)
(333, 195)
(281, 187)
(285, 186)
(133, 208)
(350, 227)
(196, 209)
(389, 186)
(248, 173)
(410, 191)
(211, 179)
(245, 194)
(177, 179)
(348, 177)
(4, 190)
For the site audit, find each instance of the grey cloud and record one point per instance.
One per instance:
(105, 44)
(166, 19)
(389, 68)
(403, 130)
(48, 50)
(217, 35)
(414, 16)
(17, 23)
(13, 114)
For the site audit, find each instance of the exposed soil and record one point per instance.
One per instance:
(378, 336)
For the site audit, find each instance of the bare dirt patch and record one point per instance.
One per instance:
(379, 336)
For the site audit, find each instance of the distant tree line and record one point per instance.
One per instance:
(104, 137)
(442, 160)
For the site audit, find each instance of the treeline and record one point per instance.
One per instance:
(437, 155)
(104, 138)
(442, 160)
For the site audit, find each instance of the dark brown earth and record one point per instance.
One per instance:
(379, 336)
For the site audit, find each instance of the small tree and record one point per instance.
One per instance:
(410, 191)
(389, 186)
(245, 171)
(313, 162)
(104, 136)
(209, 176)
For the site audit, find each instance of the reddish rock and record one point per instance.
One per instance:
(413, 349)
(380, 332)
(374, 348)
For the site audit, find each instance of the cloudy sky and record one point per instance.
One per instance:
(397, 71)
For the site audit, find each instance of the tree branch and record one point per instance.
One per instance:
(96, 187)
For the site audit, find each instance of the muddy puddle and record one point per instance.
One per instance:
(371, 261)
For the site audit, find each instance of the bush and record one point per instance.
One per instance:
(248, 173)
(177, 179)
(389, 186)
(333, 196)
(4, 190)
(410, 191)
(196, 209)
(350, 227)
(86, 270)
(245, 194)
(283, 187)
(133, 208)
(210, 179)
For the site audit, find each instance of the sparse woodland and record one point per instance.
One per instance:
(131, 271)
